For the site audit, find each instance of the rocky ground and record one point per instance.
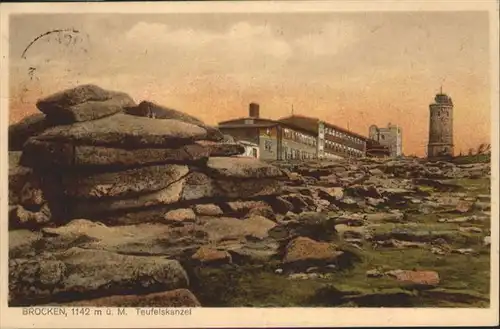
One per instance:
(110, 207)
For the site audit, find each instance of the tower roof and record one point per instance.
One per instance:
(442, 98)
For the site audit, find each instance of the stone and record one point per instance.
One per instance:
(122, 184)
(147, 239)
(299, 202)
(385, 217)
(463, 207)
(350, 232)
(19, 217)
(394, 193)
(350, 219)
(331, 194)
(86, 208)
(438, 251)
(470, 229)
(171, 298)
(90, 110)
(127, 131)
(363, 191)
(348, 203)
(483, 206)
(209, 256)
(80, 273)
(30, 126)
(48, 153)
(298, 276)
(280, 205)
(208, 210)
(254, 251)
(239, 167)
(227, 228)
(376, 172)
(201, 186)
(464, 219)
(374, 202)
(21, 242)
(425, 278)
(304, 251)
(464, 251)
(222, 149)
(242, 208)
(374, 273)
(155, 111)
(83, 103)
(180, 215)
(264, 211)
(24, 186)
(484, 197)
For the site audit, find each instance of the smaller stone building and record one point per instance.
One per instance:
(376, 150)
(390, 136)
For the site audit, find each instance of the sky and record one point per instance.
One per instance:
(350, 69)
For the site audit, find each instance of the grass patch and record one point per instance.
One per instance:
(259, 286)
(474, 187)
(469, 159)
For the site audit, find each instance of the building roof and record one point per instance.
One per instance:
(233, 121)
(311, 124)
(261, 123)
(303, 122)
(248, 125)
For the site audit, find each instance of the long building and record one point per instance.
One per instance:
(332, 141)
(294, 137)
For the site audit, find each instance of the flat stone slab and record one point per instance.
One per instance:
(222, 149)
(166, 196)
(155, 111)
(127, 131)
(201, 186)
(79, 273)
(48, 153)
(242, 168)
(124, 183)
(29, 126)
(305, 250)
(228, 228)
(83, 103)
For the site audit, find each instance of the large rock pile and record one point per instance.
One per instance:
(95, 154)
(93, 160)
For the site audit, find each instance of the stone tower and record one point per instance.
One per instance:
(441, 126)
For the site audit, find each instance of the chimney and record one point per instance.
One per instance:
(253, 110)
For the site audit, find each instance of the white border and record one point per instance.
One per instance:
(255, 317)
